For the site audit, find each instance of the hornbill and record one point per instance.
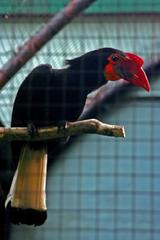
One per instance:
(50, 97)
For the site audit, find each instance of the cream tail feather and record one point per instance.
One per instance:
(28, 188)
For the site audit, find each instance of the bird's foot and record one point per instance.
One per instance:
(62, 125)
(32, 130)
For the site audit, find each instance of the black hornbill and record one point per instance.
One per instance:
(50, 96)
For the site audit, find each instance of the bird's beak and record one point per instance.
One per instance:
(131, 70)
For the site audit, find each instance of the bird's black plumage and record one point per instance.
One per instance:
(48, 96)
(45, 98)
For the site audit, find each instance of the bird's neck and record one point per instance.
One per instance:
(85, 78)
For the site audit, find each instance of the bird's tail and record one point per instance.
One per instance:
(27, 190)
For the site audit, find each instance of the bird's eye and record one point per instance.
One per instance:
(115, 58)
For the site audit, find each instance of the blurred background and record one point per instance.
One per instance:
(99, 188)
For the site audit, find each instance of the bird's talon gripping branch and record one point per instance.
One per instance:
(62, 125)
(32, 130)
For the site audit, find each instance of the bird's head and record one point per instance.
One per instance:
(111, 64)
(127, 66)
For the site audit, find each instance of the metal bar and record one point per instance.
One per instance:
(36, 42)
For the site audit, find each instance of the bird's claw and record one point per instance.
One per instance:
(62, 125)
(32, 130)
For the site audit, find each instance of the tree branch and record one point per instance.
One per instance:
(92, 126)
(25, 52)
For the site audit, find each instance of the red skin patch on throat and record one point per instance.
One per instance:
(110, 73)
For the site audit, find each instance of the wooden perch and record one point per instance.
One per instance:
(92, 126)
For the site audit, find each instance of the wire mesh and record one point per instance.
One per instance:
(99, 188)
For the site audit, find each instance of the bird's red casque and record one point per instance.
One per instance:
(128, 67)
